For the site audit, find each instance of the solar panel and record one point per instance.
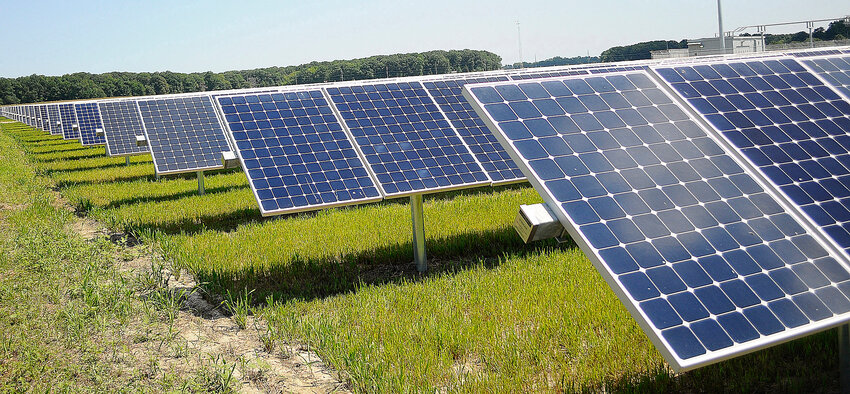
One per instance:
(786, 123)
(705, 259)
(184, 134)
(547, 74)
(88, 118)
(295, 152)
(68, 119)
(448, 94)
(53, 112)
(816, 53)
(45, 118)
(121, 124)
(835, 70)
(407, 142)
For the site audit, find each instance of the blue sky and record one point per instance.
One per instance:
(59, 37)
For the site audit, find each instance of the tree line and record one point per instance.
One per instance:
(40, 88)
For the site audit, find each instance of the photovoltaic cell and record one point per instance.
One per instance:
(547, 74)
(295, 152)
(68, 119)
(704, 258)
(45, 118)
(184, 134)
(407, 142)
(88, 117)
(787, 123)
(448, 94)
(816, 53)
(835, 70)
(121, 124)
(53, 112)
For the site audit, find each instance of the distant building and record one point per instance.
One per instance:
(711, 46)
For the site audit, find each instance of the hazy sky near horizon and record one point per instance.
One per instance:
(60, 37)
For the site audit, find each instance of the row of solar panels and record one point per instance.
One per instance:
(712, 194)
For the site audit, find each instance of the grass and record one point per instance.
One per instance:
(64, 307)
(493, 314)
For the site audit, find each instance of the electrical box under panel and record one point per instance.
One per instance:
(141, 140)
(98, 132)
(536, 222)
(229, 159)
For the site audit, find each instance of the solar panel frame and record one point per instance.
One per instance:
(121, 124)
(161, 139)
(412, 84)
(610, 277)
(251, 178)
(88, 118)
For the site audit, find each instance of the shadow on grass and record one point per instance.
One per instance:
(116, 164)
(170, 197)
(808, 364)
(311, 278)
(121, 178)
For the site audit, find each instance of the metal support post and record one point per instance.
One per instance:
(418, 218)
(201, 190)
(844, 357)
(128, 160)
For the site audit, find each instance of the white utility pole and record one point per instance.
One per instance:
(720, 27)
(519, 44)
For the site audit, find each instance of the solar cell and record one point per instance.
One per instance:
(705, 259)
(835, 70)
(88, 118)
(68, 119)
(786, 123)
(53, 114)
(121, 124)
(45, 118)
(407, 142)
(184, 134)
(448, 94)
(821, 52)
(295, 152)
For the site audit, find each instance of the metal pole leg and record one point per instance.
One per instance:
(201, 190)
(128, 160)
(844, 357)
(418, 218)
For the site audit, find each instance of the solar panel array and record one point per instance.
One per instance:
(121, 124)
(704, 257)
(68, 120)
(88, 118)
(184, 134)
(407, 142)
(295, 152)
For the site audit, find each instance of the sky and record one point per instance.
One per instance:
(61, 37)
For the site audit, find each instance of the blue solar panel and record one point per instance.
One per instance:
(704, 258)
(547, 74)
(88, 118)
(53, 112)
(407, 142)
(121, 124)
(835, 70)
(68, 119)
(184, 134)
(45, 118)
(821, 52)
(787, 123)
(295, 152)
(448, 94)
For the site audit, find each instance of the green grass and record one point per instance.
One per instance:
(64, 306)
(493, 314)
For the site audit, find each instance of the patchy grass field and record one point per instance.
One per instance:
(493, 314)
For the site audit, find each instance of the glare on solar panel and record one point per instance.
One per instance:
(833, 69)
(407, 142)
(295, 152)
(702, 255)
